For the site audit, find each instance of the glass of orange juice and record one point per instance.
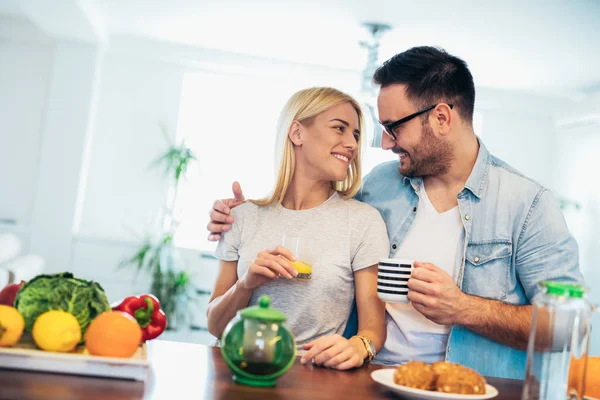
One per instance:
(300, 248)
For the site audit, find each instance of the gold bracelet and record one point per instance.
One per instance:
(367, 344)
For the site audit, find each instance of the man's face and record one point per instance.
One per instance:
(421, 151)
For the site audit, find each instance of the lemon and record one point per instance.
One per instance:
(56, 330)
(11, 326)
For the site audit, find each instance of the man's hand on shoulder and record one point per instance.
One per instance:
(220, 213)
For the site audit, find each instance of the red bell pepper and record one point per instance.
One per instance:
(146, 310)
(9, 293)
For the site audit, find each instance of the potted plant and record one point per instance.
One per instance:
(157, 255)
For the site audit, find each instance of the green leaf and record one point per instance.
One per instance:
(175, 160)
(165, 132)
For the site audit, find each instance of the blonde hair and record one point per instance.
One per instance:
(302, 107)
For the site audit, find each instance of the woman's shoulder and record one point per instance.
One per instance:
(359, 208)
(360, 214)
(244, 210)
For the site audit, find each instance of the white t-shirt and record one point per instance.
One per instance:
(434, 237)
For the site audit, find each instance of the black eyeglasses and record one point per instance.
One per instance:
(389, 128)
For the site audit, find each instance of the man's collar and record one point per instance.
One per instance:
(415, 182)
(478, 178)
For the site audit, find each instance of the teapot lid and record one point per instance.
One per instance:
(563, 289)
(262, 311)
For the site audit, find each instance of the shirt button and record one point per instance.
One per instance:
(394, 246)
(467, 217)
(476, 259)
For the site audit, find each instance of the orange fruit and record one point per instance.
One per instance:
(113, 334)
(592, 377)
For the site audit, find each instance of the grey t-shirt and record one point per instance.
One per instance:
(344, 236)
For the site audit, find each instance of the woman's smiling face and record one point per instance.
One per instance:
(327, 144)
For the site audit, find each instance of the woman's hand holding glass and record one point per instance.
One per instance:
(269, 265)
(334, 351)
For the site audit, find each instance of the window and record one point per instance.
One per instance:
(229, 122)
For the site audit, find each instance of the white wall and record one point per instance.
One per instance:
(122, 193)
(576, 167)
(578, 171)
(25, 69)
(520, 129)
(66, 133)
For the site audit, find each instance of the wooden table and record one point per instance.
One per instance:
(190, 371)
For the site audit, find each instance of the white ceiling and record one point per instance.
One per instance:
(549, 46)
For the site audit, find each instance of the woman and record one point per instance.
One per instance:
(319, 172)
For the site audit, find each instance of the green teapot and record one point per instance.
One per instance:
(256, 345)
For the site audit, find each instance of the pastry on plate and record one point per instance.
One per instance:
(415, 374)
(443, 366)
(440, 376)
(455, 378)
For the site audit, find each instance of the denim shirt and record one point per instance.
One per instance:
(514, 237)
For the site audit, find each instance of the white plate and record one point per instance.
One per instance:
(385, 377)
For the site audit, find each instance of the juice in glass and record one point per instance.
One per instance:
(299, 247)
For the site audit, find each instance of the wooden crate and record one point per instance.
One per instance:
(27, 357)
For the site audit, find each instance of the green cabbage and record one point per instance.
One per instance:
(84, 299)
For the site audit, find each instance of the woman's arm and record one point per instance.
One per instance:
(232, 294)
(371, 310)
(227, 298)
(337, 352)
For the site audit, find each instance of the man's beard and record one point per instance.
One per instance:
(431, 156)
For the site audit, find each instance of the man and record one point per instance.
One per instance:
(483, 235)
